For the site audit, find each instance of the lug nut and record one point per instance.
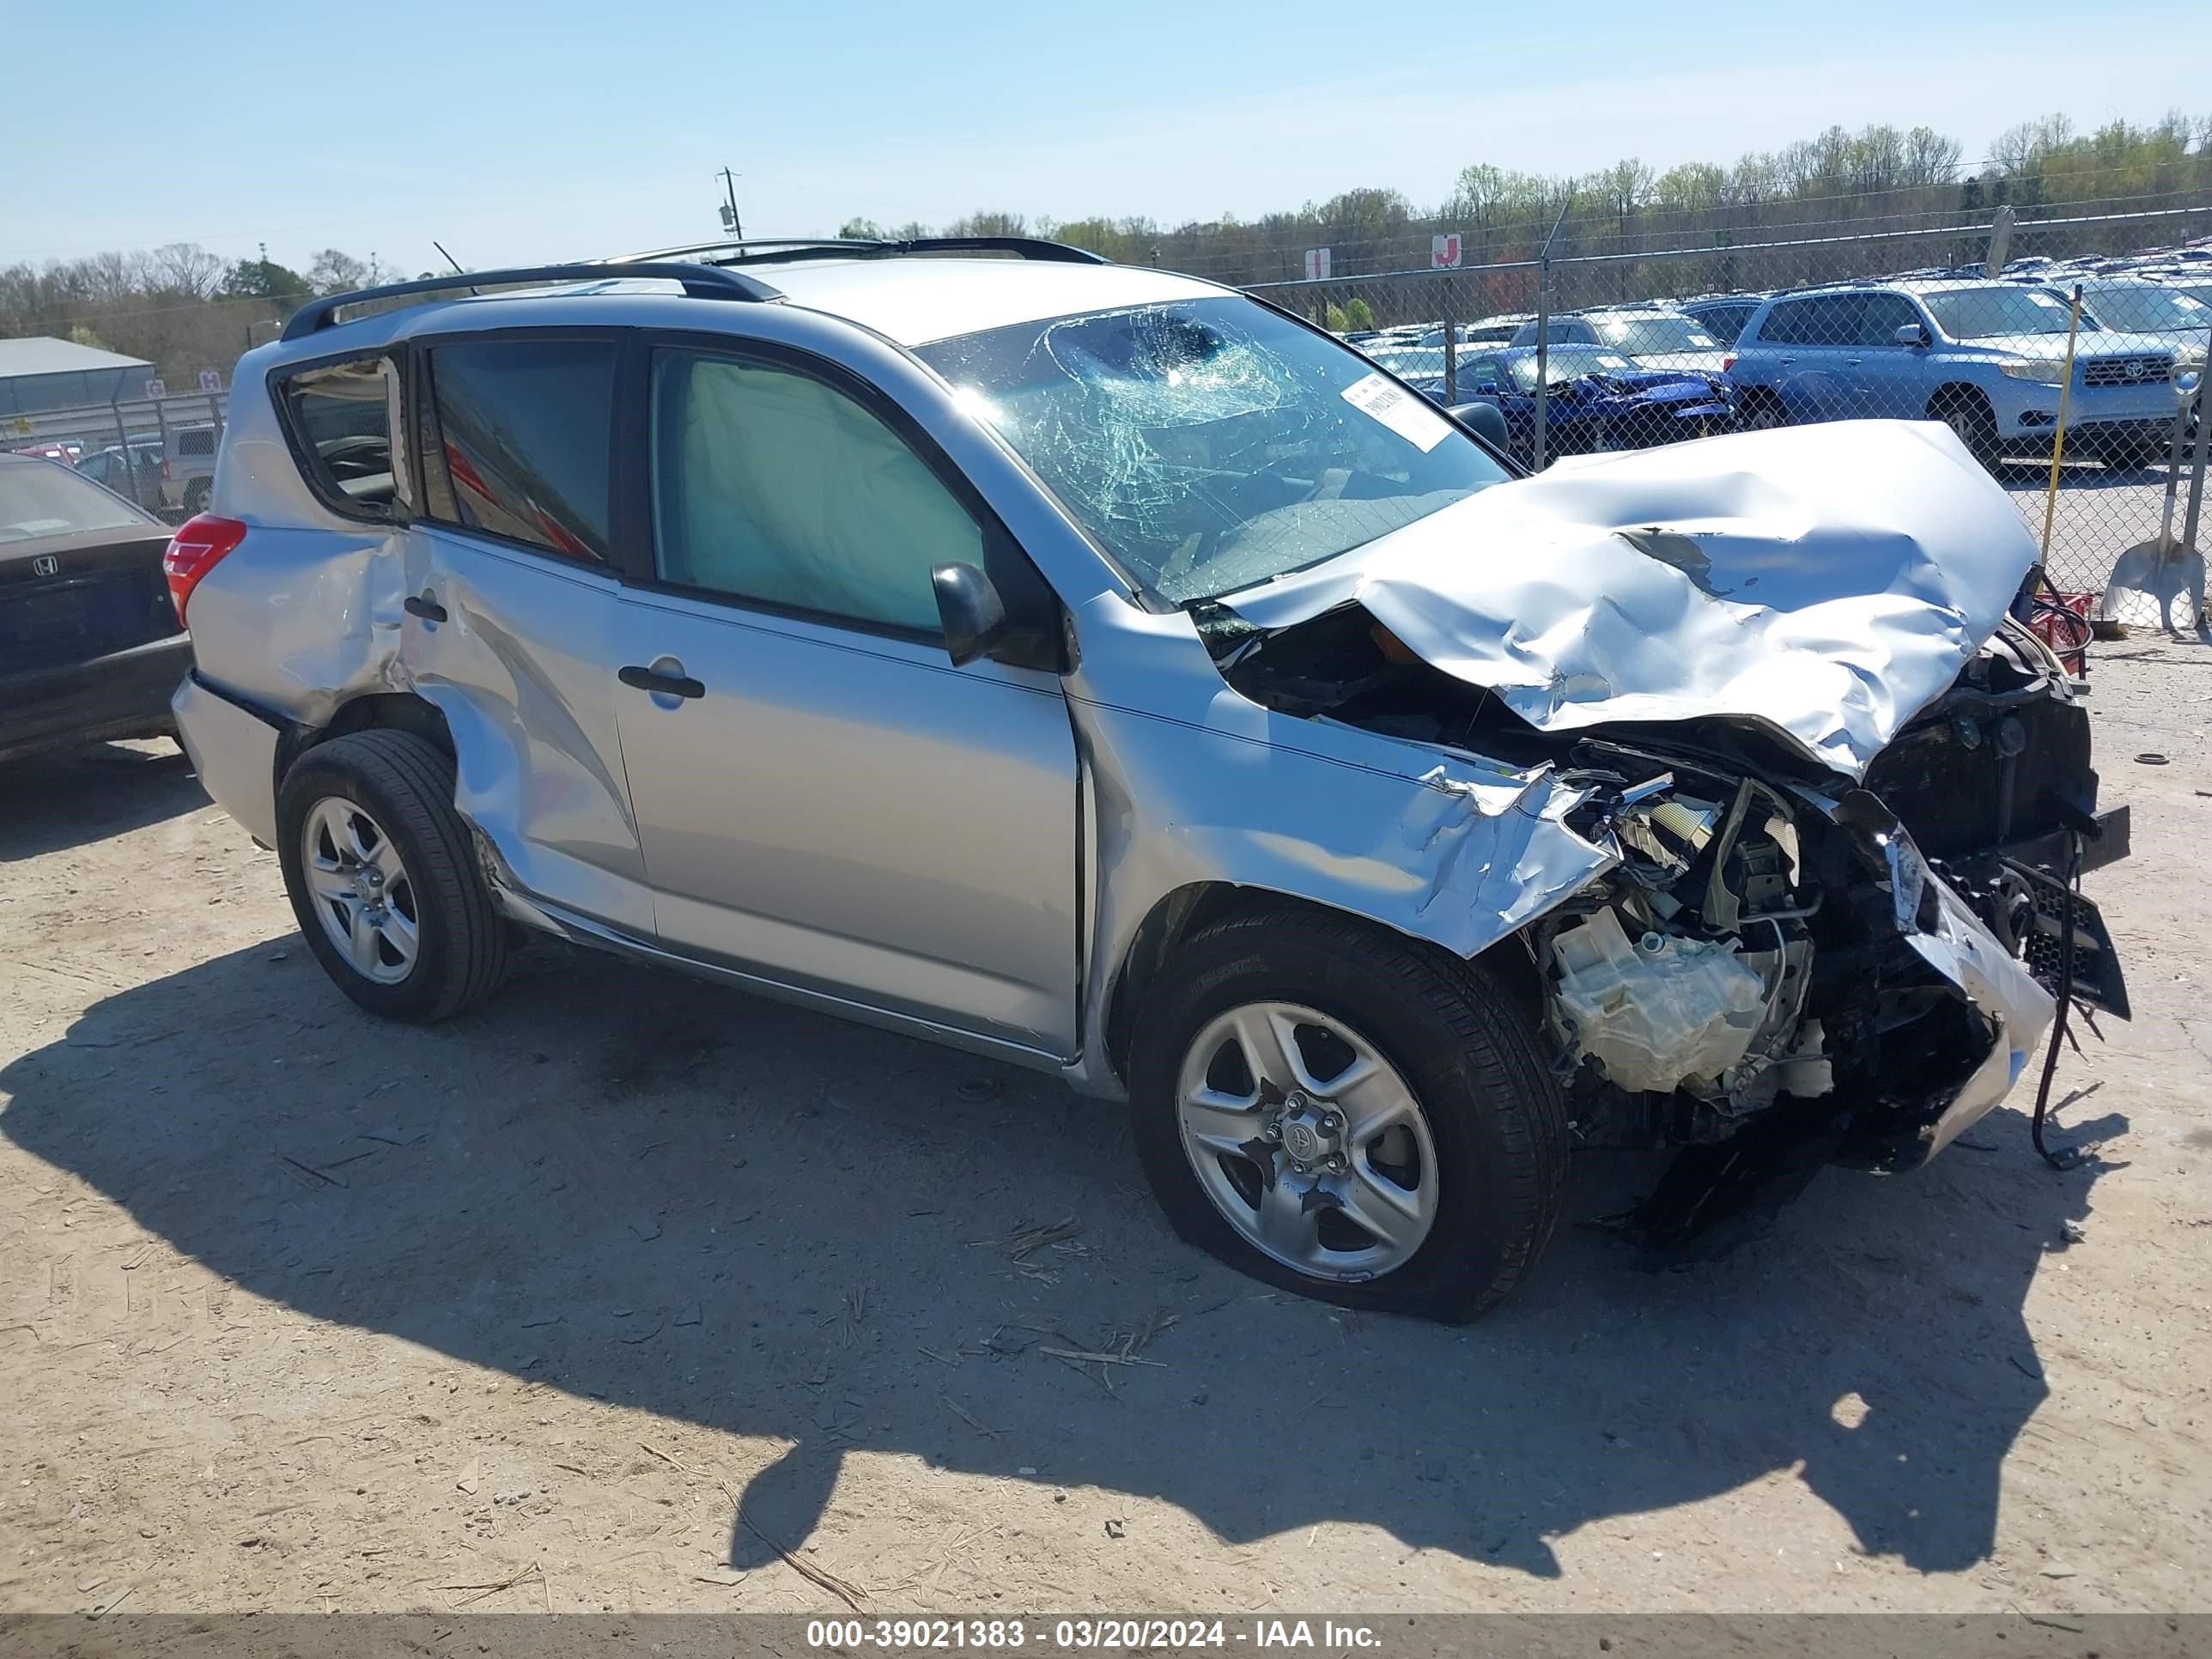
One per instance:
(1334, 1120)
(1301, 1168)
(1336, 1162)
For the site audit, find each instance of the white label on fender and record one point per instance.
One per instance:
(1406, 413)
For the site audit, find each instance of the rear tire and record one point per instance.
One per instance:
(441, 945)
(1762, 411)
(1490, 1143)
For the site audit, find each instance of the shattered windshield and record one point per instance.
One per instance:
(1212, 444)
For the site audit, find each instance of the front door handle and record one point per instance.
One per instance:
(424, 605)
(667, 684)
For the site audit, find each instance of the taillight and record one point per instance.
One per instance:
(195, 549)
(1727, 363)
(165, 469)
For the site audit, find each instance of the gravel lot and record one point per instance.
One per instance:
(302, 1311)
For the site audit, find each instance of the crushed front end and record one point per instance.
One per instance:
(1833, 929)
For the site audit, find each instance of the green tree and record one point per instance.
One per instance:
(1334, 320)
(334, 271)
(263, 279)
(989, 224)
(1359, 315)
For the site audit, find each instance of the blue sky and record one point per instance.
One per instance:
(559, 128)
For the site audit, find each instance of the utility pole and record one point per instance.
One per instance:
(731, 222)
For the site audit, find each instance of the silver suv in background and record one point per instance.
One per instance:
(1094, 668)
(1988, 359)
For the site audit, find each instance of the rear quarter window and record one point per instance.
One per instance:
(341, 418)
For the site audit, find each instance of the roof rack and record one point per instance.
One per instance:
(759, 250)
(701, 282)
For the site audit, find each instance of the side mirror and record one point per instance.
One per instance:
(969, 606)
(1486, 420)
(1911, 334)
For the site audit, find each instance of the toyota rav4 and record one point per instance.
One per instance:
(1101, 669)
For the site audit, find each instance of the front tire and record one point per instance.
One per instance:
(1968, 414)
(383, 876)
(1349, 1114)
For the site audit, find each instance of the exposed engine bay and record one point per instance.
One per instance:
(1779, 956)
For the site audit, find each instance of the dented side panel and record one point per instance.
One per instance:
(1196, 784)
(523, 670)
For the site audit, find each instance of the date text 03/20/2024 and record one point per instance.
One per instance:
(1125, 1635)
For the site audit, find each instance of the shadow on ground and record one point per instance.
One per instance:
(74, 796)
(673, 1197)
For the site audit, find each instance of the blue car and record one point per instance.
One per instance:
(1598, 399)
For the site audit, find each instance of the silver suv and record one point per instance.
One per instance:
(1100, 670)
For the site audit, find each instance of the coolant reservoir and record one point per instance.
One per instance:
(1658, 1010)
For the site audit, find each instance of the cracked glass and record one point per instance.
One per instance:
(1211, 445)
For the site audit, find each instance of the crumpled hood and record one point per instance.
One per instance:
(1826, 582)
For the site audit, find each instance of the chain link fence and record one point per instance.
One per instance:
(2073, 373)
(159, 452)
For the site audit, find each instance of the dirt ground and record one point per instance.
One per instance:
(302, 1311)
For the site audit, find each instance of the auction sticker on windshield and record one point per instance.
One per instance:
(1406, 413)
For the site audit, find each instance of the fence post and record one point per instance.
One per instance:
(1451, 357)
(2196, 476)
(1543, 355)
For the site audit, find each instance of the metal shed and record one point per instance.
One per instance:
(41, 374)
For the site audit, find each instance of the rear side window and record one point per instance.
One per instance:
(1824, 320)
(341, 417)
(526, 428)
(196, 441)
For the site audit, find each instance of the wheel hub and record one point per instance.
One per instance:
(1309, 1141)
(1311, 1132)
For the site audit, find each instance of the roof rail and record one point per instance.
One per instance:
(699, 280)
(759, 249)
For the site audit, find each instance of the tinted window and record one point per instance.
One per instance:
(44, 498)
(342, 417)
(1823, 319)
(196, 441)
(1481, 371)
(1725, 322)
(1881, 316)
(524, 430)
(770, 485)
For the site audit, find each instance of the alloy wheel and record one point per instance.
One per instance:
(1308, 1140)
(362, 893)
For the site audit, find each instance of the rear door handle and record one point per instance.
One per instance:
(668, 685)
(424, 605)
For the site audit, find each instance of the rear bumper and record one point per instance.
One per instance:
(234, 750)
(125, 694)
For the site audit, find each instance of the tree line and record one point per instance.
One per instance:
(1873, 183)
(184, 308)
